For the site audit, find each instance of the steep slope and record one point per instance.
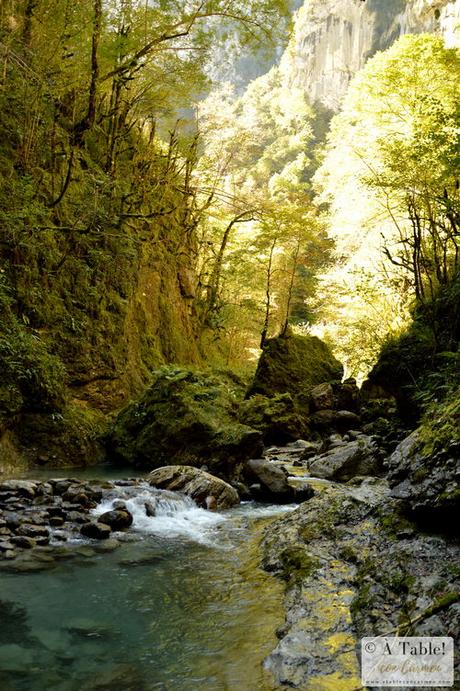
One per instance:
(332, 39)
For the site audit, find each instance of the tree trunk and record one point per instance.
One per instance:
(263, 336)
(214, 283)
(84, 125)
(291, 287)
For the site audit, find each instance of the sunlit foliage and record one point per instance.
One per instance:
(391, 175)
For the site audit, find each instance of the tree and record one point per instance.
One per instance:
(389, 178)
(399, 131)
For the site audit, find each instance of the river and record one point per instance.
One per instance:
(179, 605)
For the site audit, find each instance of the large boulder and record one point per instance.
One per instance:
(279, 418)
(271, 483)
(347, 396)
(327, 421)
(346, 462)
(294, 364)
(185, 417)
(426, 480)
(205, 489)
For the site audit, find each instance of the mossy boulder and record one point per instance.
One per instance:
(186, 417)
(278, 418)
(423, 470)
(294, 364)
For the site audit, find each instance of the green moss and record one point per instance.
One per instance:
(32, 378)
(441, 425)
(280, 418)
(297, 564)
(184, 417)
(294, 364)
(420, 474)
(393, 523)
(73, 437)
(349, 553)
(363, 600)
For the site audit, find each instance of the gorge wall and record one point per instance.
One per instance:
(332, 39)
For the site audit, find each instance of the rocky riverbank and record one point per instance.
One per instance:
(356, 563)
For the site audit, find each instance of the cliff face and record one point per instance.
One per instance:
(333, 39)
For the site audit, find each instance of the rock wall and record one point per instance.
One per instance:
(332, 39)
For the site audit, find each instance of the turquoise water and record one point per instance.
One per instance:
(181, 604)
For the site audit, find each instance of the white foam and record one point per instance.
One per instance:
(176, 515)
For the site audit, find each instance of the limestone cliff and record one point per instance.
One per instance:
(332, 39)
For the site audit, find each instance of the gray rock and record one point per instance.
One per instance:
(196, 484)
(5, 546)
(273, 482)
(56, 521)
(23, 541)
(346, 419)
(150, 509)
(323, 420)
(97, 531)
(343, 463)
(24, 488)
(301, 444)
(427, 484)
(313, 448)
(348, 395)
(119, 519)
(30, 530)
(347, 573)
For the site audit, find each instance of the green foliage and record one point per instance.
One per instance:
(257, 148)
(33, 379)
(390, 177)
(421, 366)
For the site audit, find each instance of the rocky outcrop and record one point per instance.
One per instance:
(295, 365)
(340, 588)
(185, 417)
(333, 39)
(206, 490)
(428, 485)
(32, 513)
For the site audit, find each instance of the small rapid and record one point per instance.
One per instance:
(165, 514)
